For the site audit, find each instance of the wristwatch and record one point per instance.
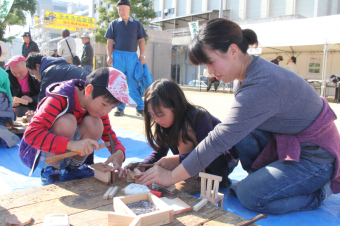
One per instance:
(142, 56)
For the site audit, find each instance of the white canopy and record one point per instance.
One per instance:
(299, 32)
(301, 35)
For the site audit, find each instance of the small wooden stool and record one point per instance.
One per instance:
(209, 188)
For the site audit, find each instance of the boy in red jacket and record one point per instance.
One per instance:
(74, 116)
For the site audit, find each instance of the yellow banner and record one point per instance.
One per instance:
(76, 21)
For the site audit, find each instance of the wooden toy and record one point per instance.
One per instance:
(113, 192)
(209, 188)
(123, 215)
(106, 195)
(177, 205)
(18, 100)
(102, 173)
(199, 205)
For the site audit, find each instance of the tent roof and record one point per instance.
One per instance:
(300, 32)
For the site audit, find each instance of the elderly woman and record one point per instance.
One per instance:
(282, 131)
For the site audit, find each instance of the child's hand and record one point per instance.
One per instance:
(117, 160)
(83, 147)
(168, 162)
(126, 168)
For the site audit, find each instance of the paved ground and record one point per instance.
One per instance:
(217, 103)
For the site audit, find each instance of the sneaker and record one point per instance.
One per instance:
(50, 175)
(140, 113)
(78, 173)
(119, 112)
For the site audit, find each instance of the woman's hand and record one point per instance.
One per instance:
(168, 162)
(157, 175)
(117, 160)
(83, 147)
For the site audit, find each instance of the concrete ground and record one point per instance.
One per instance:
(217, 103)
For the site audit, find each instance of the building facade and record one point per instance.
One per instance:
(173, 17)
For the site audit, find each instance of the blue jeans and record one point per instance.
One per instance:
(88, 68)
(126, 62)
(280, 187)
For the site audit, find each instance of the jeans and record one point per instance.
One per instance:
(126, 62)
(280, 187)
(88, 68)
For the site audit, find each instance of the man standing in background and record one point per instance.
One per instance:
(55, 53)
(29, 45)
(3, 54)
(124, 32)
(87, 56)
(65, 45)
(277, 60)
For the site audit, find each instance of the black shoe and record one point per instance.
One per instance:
(140, 113)
(119, 112)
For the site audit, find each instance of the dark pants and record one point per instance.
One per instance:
(216, 83)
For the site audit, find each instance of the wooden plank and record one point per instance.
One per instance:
(99, 166)
(82, 201)
(49, 192)
(104, 177)
(210, 176)
(113, 192)
(199, 205)
(177, 205)
(119, 219)
(106, 195)
(209, 186)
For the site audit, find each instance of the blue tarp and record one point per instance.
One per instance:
(14, 177)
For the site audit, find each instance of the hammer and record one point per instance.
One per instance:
(72, 153)
(139, 164)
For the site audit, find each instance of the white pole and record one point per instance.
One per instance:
(221, 9)
(324, 69)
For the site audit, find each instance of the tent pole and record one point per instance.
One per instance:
(324, 69)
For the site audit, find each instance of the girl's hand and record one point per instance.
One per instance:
(83, 147)
(157, 175)
(168, 162)
(117, 160)
(126, 168)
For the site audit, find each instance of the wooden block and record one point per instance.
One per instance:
(199, 205)
(136, 222)
(209, 186)
(130, 179)
(118, 219)
(103, 177)
(177, 205)
(18, 220)
(136, 173)
(101, 168)
(106, 195)
(160, 217)
(19, 100)
(113, 192)
(210, 176)
(113, 177)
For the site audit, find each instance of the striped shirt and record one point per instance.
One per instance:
(39, 135)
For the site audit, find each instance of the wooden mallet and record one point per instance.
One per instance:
(72, 153)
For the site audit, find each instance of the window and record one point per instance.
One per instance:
(158, 13)
(108, 6)
(172, 11)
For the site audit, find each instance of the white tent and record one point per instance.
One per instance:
(301, 35)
